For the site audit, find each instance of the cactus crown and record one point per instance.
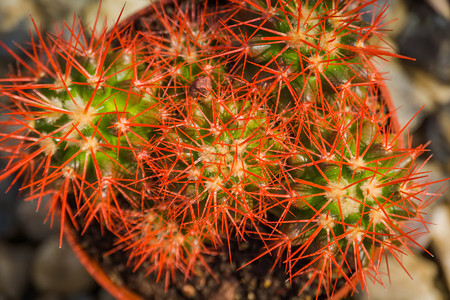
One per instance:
(183, 132)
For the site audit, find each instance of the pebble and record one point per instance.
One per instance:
(435, 173)
(437, 129)
(441, 7)
(436, 91)
(441, 242)
(8, 204)
(111, 9)
(14, 269)
(59, 10)
(15, 13)
(33, 222)
(189, 291)
(226, 290)
(426, 37)
(57, 270)
(413, 104)
(399, 286)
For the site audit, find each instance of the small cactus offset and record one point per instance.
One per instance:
(203, 124)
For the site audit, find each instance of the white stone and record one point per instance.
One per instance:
(399, 286)
(436, 91)
(15, 12)
(441, 237)
(111, 9)
(405, 94)
(442, 7)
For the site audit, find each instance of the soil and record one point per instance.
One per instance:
(258, 280)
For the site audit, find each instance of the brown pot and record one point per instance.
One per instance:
(93, 266)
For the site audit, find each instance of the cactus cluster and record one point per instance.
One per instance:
(203, 124)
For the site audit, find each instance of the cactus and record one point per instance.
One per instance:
(185, 132)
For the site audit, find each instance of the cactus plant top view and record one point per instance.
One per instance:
(206, 124)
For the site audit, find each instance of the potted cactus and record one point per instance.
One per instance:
(259, 131)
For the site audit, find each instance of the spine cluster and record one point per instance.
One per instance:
(200, 125)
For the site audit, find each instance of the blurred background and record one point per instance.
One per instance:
(32, 266)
